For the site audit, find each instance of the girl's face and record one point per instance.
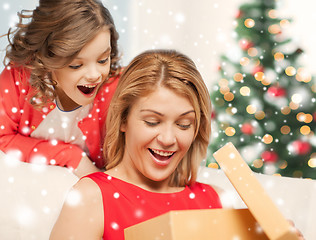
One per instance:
(158, 133)
(79, 82)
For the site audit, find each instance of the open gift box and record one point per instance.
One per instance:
(199, 225)
(262, 219)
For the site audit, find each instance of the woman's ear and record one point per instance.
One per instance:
(123, 127)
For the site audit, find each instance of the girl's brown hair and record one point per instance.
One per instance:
(146, 72)
(53, 34)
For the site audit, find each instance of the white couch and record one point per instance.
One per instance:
(31, 197)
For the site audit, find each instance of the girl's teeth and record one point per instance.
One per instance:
(86, 89)
(89, 86)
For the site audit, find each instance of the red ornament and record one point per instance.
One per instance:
(213, 115)
(245, 44)
(247, 129)
(275, 91)
(257, 69)
(301, 147)
(239, 14)
(269, 156)
(314, 116)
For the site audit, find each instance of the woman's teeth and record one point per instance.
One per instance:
(162, 153)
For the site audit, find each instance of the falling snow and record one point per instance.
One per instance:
(192, 196)
(73, 198)
(203, 42)
(116, 195)
(115, 226)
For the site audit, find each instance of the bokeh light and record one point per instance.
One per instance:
(267, 139)
(249, 23)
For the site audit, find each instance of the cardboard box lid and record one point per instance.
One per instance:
(204, 224)
(255, 197)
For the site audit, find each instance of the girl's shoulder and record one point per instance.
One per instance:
(109, 86)
(18, 74)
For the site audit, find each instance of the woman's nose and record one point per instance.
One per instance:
(166, 137)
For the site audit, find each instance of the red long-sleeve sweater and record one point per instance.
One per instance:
(18, 119)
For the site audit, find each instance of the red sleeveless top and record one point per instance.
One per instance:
(125, 204)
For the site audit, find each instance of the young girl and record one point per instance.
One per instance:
(158, 129)
(60, 76)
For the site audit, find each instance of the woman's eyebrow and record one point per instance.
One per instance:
(160, 114)
(185, 113)
(153, 111)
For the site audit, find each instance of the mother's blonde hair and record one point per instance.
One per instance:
(146, 72)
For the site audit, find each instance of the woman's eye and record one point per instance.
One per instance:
(151, 123)
(184, 126)
(103, 61)
(75, 66)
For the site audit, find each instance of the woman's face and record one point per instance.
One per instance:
(158, 133)
(79, 82)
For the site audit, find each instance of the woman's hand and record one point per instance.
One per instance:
(298, 232)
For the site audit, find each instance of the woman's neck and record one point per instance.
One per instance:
(141, 181)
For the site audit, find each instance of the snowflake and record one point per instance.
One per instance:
(24, 215)
(192, 196)
(44, 192)
(54, 142)
(179, 18)
(116, 195)
(51, 130)
(139, 213)
(232, 156)
(11, 179)
(6, 6)
(13, 157)
(115, 226)
(73, 198)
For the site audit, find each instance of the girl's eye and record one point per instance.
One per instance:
(103, 61)
(75, 66)
(151, 123)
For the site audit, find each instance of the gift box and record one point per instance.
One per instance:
(198, 225)
(262, 219)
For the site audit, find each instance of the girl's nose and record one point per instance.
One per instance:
(93, 73)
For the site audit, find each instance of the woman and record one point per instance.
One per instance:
(158, 127)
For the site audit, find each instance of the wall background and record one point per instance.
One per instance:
(203, 29)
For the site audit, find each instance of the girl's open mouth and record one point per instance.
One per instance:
(87, 89)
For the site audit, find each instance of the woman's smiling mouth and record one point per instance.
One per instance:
(161, 157)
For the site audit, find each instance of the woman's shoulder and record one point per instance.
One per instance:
(84, 193)
(83, 203)
(97, 183)
(86, 188)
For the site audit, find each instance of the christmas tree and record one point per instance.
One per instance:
(265, 102)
